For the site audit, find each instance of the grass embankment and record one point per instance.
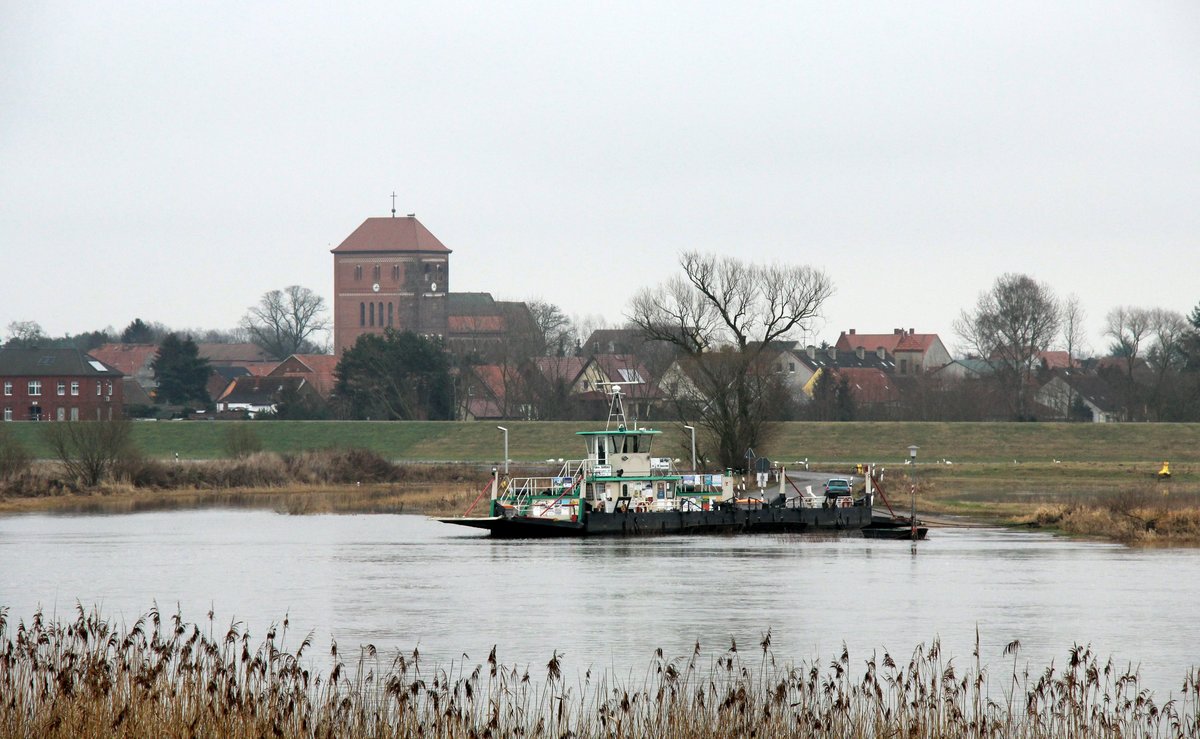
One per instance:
(164, 677)
(825, 443)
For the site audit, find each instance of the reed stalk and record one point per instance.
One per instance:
(163, 676)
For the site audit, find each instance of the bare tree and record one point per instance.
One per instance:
(1011, 325)
(1073, 331)
(723, 314)
(25, 333)
(1129, 328)
(556, 331)
(284, 321)
(89, 450)
(1167, 354)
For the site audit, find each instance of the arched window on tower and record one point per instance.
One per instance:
(375, 273)
(362, 314)
(358, 271)
(371, 313)
(389, 314)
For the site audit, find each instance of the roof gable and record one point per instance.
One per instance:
(405, 234)
(259, 390)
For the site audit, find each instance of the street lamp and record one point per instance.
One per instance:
(505, 448)
(912, 456)
(693, 430)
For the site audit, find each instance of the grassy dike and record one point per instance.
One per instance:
(826, 443)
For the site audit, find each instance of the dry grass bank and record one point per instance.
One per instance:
(332, 480)
(433, 499)
(164, 677)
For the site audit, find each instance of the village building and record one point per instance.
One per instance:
(389, 273)
(393, 273)
(250, 395)
(58, 385)
(914, 353)
(319, 369)
(134, 361)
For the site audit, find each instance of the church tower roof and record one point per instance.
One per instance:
(392, 234)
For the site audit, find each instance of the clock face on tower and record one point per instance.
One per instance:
(375, 287)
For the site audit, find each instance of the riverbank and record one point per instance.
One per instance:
(1115, 502)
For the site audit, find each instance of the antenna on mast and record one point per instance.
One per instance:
(616, 409)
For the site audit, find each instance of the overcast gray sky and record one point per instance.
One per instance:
(174, 162)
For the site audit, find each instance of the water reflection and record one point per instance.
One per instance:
(402, 581)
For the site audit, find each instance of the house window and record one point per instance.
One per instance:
(75, 388)
(61, 414)
(8, 388)
(62, 388)
(791, 366)
(97, 388)
(108, 388)
(74, 414)
(358, 272)
(8, 414)
(904, 366)
(35, 387)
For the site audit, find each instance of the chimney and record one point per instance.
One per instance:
(811, 351)
(851, 332)
(833, 353)
(860, 352)
(897, 332)
(911, 331)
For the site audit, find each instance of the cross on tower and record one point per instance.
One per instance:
(393, 203)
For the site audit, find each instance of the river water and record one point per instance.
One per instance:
(403, 581)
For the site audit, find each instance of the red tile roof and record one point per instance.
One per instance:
(564, 369)
(128, 358)
(475, 324)
(392, 234)
(905, 341)
(318, 368)
(1057, 360)
(869, 385)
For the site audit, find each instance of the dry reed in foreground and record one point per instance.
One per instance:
(91, 678)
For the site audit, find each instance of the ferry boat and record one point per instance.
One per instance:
(621, 488)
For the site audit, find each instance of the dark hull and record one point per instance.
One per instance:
(898, 532)
(726, 520)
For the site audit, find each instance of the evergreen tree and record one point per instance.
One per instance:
(396, 376)
(138, 332)
(181, 373)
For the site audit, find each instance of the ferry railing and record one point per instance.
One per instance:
(521, 493)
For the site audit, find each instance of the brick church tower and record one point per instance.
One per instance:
(391, 272)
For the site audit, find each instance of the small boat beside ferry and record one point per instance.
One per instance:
(622, 488)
